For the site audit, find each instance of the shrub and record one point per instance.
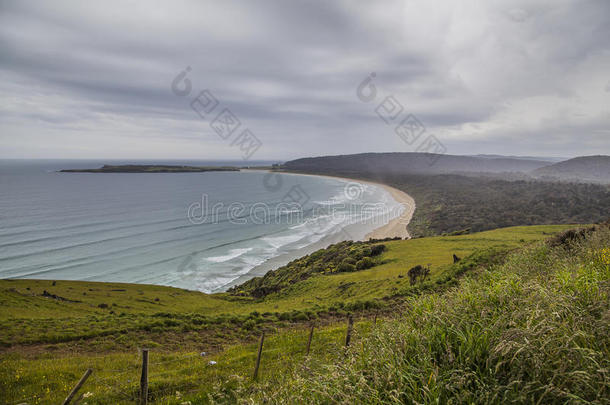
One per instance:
(249, 324)
(376, 250)
(284, 316)
(346, 267)
(365, 263)
(171, 322)
(299, 316)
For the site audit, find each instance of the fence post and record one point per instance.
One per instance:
(144, 378)
(350, 326)
(309, 340)
(77, 386)
(258, 357)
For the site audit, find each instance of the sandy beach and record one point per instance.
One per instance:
(397, 226)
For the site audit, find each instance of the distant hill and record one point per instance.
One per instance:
(414, 163)
(584, 168)
(542, 158)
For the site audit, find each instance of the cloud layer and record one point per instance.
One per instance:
(93, 80)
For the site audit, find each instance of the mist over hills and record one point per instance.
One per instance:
(586, 168)
(412, 162)
(541, 158)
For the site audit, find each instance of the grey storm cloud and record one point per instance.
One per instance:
(93, 80)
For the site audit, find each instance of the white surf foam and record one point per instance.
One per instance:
(233, 253)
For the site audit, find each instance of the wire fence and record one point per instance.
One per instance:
(146, 382)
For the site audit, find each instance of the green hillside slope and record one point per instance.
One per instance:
(46, 311)
(462, 311)
(535, 329)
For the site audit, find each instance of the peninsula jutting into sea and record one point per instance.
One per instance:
(152, 169)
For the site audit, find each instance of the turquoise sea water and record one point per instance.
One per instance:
(198, 231)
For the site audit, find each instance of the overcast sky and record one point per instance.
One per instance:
(94, 79)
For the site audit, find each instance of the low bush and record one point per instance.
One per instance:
(376, 250)
(346, 267)
(365, 263)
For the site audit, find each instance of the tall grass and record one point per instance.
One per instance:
(532, 330)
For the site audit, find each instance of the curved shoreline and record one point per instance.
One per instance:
(395, 227)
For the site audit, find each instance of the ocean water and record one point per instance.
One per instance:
(200, 231)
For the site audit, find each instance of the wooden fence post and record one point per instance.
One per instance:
(77, 386)
(350, 326)
(258, 357)
(144, 378)
(309, 341)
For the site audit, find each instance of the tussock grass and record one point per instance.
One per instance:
(532, 330)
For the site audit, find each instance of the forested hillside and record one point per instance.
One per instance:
(410, 162)
(450, 202)
(584, 168)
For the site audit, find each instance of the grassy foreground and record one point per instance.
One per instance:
(496, 327)
(535, 329)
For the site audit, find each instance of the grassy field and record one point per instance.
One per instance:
(47, 378)
(50, 338)
(534, 329)
(71, 311)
